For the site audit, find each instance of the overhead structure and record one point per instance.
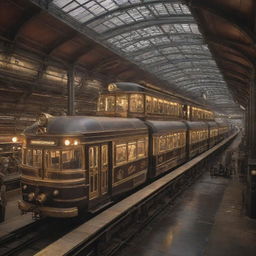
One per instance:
(161, 37)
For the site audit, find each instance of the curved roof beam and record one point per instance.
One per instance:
(27, 17)
(233, 46)
(179, 19)
(129, 7)
(60, 42)
(160, 46)
(207, 6)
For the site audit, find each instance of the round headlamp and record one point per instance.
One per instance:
(14, 139)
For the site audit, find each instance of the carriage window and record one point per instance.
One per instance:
(34, 157)
(132, 151)
(155, 105)
(104, 155)
(71, 159)
(161, 106)
(93, 157)
(178, 140)
(52, 159)
(101, 103)
(37, 158)
(110, 103)
(121, 103)
(162, 143)
(141, 148)
(149, 104)
(165, 107)
(175, 141)
(121, 153)
(136, 103)
(170, 145)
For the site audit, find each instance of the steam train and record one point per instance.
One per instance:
(73, 164)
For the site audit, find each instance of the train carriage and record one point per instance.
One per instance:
(133, 100)
(223, 129)
(198, 138)
(213, 133)
(167, 147)
(80, 163)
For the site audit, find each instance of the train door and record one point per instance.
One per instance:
(98, 166)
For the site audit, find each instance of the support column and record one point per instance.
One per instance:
(71, 92)
(251, 139)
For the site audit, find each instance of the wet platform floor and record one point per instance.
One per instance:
(208, 219)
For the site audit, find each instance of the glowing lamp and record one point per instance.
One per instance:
(14, 139)
(67, 142)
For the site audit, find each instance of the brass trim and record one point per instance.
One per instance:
(53, 183)
(48, 211)
(70, 200)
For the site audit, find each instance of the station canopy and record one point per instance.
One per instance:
(161, 37)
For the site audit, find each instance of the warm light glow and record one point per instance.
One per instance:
(42, 142)
(14, 139)
(67, 142)
(76, 142)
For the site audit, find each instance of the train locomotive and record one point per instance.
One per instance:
(80, 164)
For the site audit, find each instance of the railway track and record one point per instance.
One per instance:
(33, 237)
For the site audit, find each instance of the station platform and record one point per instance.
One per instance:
(208, 219)
(13, 217)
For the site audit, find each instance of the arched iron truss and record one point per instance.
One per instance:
(161, 37)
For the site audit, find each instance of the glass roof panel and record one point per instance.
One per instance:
(160, 36)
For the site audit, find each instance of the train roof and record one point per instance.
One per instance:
(166, 126)
(197, 125)
(222, 123)
(78, 125)
(212, 124)
(126, 86)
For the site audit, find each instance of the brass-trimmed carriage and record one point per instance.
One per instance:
(75, 164)
(81, 163)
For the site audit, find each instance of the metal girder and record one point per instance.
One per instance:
(231, 45)
(179, 19)
(206, 81)
(179, 53)
(27, 17)
(160, 47)
(186, 71)
(211, 7)
(130, 7)
(174, 62)
(236, 73)
(232, 62)
(228, 76)
(148, 38)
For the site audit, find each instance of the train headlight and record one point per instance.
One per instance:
(55, 192)
(14, 139)
(67, 142)
(31, 196)
(41, 198)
